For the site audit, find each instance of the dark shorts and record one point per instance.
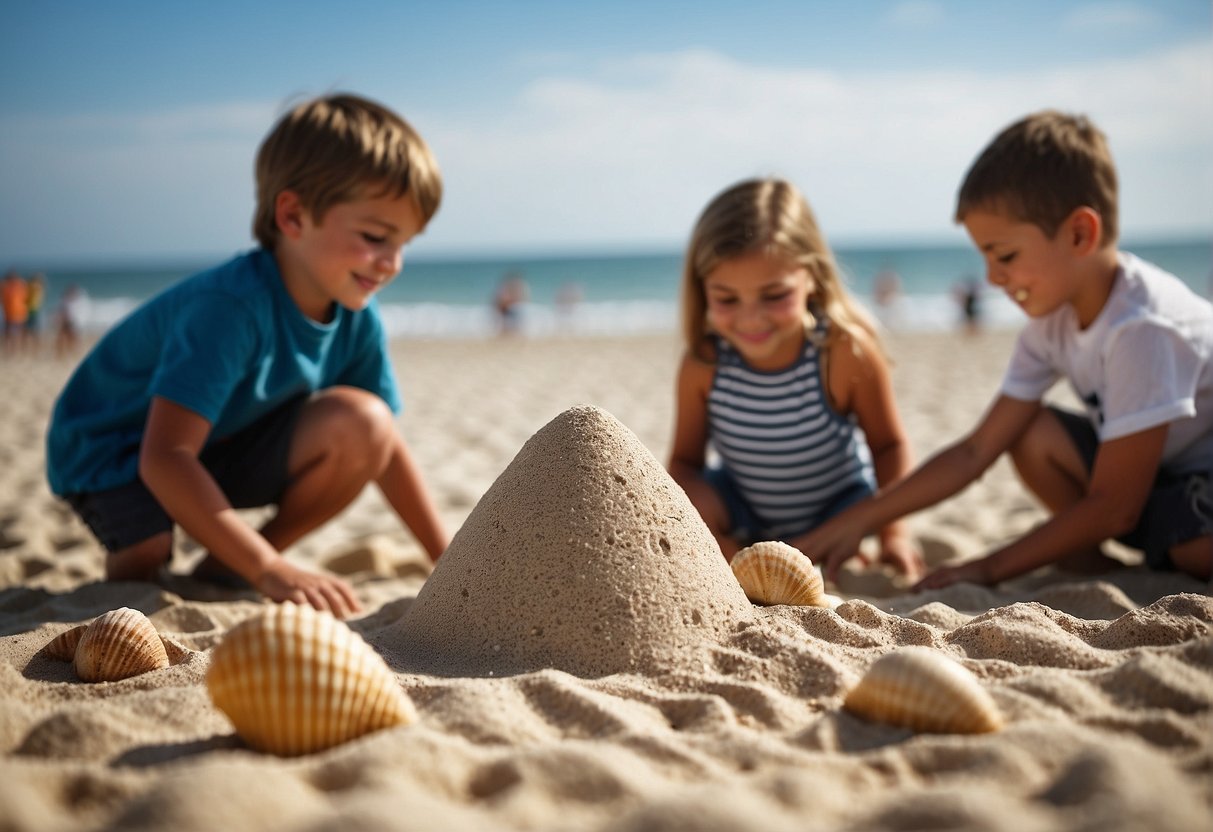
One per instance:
(251, 468)
(747, 528)
(1178, 509)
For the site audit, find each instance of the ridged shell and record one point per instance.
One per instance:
(294, 680)
(116, 645)
(918, 688)
(63, 646)
(772, 572)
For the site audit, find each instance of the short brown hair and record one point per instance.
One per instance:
(1040, 169)
(329, 150)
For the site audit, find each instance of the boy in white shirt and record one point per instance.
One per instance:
(1135, 343)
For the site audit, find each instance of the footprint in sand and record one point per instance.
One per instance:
(185, 618)
(8, 538)
(374, 555)
(33, 566)
(936, 550)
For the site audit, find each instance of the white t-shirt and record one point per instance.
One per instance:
(1145, 361)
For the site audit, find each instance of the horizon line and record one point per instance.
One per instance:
(548, 251)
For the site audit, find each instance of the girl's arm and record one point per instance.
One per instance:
(860, 383)
(687, 456)
(169, 466)
(690, 420)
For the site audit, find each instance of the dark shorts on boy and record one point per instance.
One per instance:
(250, 467)
(1178, 509)
(745, 526)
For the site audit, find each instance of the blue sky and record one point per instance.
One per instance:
(128, 129)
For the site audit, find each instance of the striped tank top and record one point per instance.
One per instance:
(789, 453)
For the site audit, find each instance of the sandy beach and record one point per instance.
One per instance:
(557, 694)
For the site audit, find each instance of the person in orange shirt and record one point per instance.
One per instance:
(16, 310)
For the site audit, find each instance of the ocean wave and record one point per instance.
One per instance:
(908, 313)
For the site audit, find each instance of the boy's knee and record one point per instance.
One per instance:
(1047, 444)
(356, 421)
(140, 562)
(1195, 557)
(1042, 435)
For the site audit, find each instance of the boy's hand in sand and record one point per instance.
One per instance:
(974, 572)
(283, 581)
(902, 553)
(832, 544)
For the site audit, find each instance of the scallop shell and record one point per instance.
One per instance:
(772, 572)
(918, 688)
(294, 680)
(116, 645)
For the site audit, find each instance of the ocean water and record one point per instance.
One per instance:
(622, 293)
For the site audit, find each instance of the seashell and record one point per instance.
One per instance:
(294, 680)
(63, 646)
(116, 645)
(771, 572)
(918, 688)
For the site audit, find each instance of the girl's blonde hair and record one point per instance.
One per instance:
(770, 216)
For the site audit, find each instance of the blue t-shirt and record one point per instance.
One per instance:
(228, 344)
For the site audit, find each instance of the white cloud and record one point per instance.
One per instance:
(630, 151)
(915, 14)
(221, 121)
(633, 151)
(121, 183)
(1110, 16)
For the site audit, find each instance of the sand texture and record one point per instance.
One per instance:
(580, 660)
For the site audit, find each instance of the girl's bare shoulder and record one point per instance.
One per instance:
(856, 352)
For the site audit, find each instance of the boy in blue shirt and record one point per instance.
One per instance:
(1135, 344)
(264, 380)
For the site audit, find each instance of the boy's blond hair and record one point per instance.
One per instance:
(771, 216)
(1040, 169)
(331, 150)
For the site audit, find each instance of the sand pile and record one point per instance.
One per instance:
(583, 556)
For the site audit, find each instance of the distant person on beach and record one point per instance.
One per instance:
(35, 297)
(1135, 344)
(968, 299)
(568, 299)
(511, 294)
(69, 319)
(784, 376)
(15, 298)
(265, 380)
(886, 292)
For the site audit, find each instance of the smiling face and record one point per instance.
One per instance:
(758, 303)
(345, 256)
(1037, 272)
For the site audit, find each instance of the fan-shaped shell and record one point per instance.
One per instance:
(772, 572)
(918, 688)
(63, 646)
(117, 645)
(294, 680)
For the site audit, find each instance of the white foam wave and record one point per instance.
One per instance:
(909, 313)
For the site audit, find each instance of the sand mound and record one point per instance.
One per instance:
(584, 556)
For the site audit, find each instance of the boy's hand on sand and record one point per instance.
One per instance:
(831, 545)
(283, 581)
(973, 572)
(903, 554)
